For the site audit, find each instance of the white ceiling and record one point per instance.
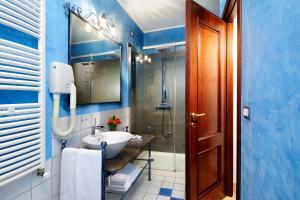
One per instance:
(211, 5)
(151, 15)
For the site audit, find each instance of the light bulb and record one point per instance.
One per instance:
(146, 57)
(149, 60)
(113, 31)
(87, 27)
(137, 58)
(103, 21)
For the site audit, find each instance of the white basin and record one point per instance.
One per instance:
(116, 141)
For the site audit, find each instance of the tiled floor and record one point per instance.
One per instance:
(163, 186)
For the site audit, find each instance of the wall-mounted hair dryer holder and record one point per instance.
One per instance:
(62, 82)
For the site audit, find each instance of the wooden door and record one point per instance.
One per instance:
(206, 101)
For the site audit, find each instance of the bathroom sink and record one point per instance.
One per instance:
(116, 141)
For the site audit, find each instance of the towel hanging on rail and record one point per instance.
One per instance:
(81, 174)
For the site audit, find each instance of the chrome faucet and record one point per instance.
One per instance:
(126, 129)
(94, 128)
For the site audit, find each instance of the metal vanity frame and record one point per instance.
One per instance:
(106, 174)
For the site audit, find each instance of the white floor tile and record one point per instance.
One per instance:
(135, 196)
(142, 188)
(158, 178)
(162, 173)
(156, 183)
(178, 186)
(169, 179)
(150, 197)
(168, 185)
(144, 183)
(180, 180)
(180, 174)
(161, 197)
(153, 190)
(178, 194)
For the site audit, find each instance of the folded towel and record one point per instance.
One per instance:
(120, 190)
(132, 171)
(81, 174)
(123, 179)
(120, 187)
(120, 179)
(136, 137)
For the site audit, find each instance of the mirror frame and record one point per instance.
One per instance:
(70, 12)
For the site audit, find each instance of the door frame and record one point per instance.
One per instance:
(235, 7)
(230, 7)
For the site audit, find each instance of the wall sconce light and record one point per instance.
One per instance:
(113, 31)
(143, 58)
(103, 24)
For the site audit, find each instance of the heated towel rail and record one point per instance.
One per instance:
(22, 126)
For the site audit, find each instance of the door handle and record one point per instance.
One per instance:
(195, 115)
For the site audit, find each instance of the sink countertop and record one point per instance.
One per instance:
(131, 151)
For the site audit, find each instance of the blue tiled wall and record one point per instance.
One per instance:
(271, 86)
(164, 36)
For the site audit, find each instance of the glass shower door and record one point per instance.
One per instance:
(158, 104)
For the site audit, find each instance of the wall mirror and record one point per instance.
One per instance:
(96, 62)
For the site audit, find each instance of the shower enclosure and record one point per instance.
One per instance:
(158, 104)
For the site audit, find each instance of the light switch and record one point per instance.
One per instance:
(246, 112)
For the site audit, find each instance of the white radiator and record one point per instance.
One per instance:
(22, 126)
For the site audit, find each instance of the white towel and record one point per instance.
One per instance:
(130, 170)
(123, 179)
(120, 179)
(136, 137)
(81, 174)
(67, 184)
